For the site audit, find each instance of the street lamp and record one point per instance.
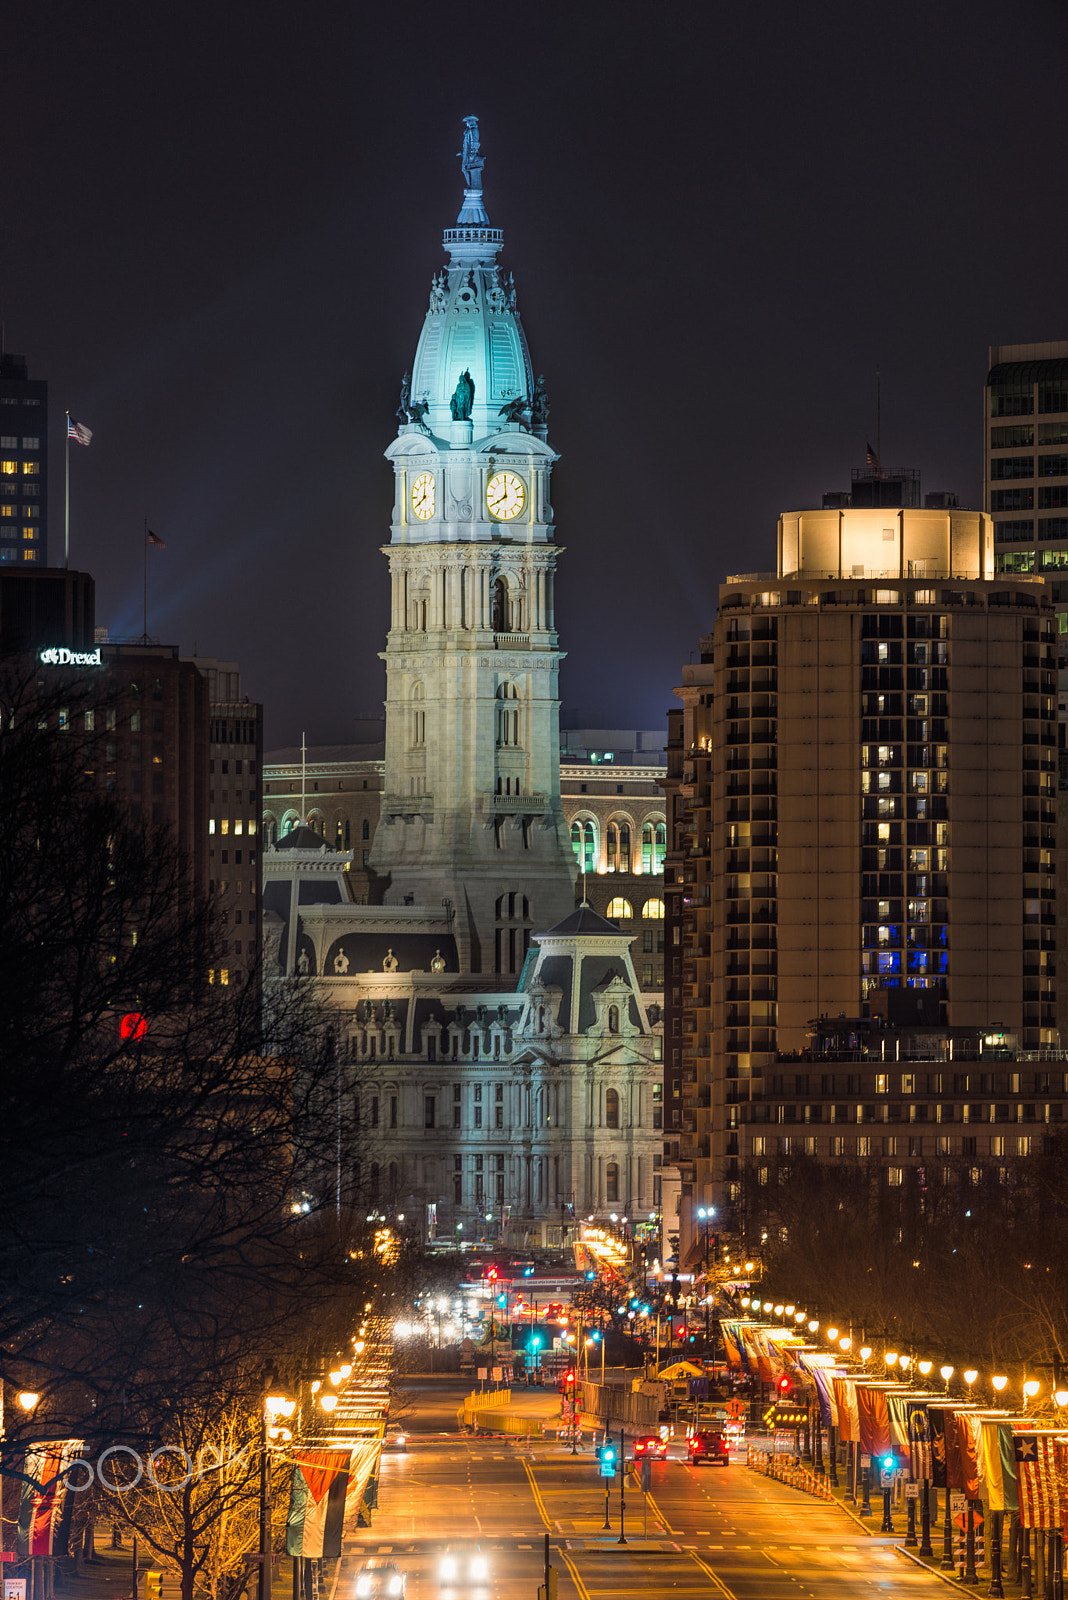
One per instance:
(865, 1353)
(946, 1373)
(999, 1382)
(925, 1367)
(328, 1402)
(27, 1399)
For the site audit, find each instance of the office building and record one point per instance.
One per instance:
(23, 463)
(1025, 462)
(46, 607)
(862, 802)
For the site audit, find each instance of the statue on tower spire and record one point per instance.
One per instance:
(470, 160)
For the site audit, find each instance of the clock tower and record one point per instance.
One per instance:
(471, 813)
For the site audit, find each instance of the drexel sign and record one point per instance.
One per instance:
(57, 655)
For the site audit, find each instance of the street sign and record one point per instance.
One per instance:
(912, 1491)
(647, 1473)
(483, 1374)
(497, 1374)
(865, 1461)
(957, 1504)
(14, 1589)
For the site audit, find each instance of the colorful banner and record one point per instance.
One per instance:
(936, 1433)
(920, 1460)
(997, 1466)
(44, 1515)
(874, 1420)
(317, 1504)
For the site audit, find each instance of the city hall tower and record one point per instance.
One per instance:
(471, 813)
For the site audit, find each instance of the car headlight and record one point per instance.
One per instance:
(395, 1584)
(448, 1567)
(363, 1585)
(479, 1567)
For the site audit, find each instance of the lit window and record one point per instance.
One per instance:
(29, 533)
(224, 976)
(238, 826)
(620, 909)
(211, 825)
(7, 511)
(884, 832)
(653, 910)
(882, 1083)
(30, 469)
(895, 1177)
(224, 825)
(9, 469)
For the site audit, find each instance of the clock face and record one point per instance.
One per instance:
(505, 496)
(423, 496)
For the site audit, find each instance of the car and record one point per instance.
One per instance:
(380, 1578)
(708, 1445)
(463, 1569)
(650, 1444)
(395, 1437)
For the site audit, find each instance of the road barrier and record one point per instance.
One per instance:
(789, 1470)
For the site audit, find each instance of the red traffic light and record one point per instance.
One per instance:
(784, 1385)
(570, 1375)
(133, 1026)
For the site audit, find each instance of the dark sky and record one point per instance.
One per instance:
(221, 221)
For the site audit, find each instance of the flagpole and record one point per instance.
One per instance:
(144, 614)
(66, 499)
(879, 418)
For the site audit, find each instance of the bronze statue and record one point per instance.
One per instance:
(515, 410)
(539, 411)
(463, 397)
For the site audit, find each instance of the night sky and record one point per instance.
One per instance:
(221, 222)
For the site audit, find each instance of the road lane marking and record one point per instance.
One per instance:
(583, 1592)
(536, 1492)
(659, 1514)
(716, 1579)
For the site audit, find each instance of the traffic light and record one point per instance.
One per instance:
(783, 1386)
(569, 1377)
(608, 1457)
(153, 1586)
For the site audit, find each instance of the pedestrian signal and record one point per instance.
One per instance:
(608, 1460)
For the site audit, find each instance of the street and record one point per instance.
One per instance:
(711, 1530)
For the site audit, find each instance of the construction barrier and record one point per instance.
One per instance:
(789, 1470)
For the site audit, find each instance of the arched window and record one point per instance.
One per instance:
(418, 715)
(611, 1182)
(584, 844)
(269, 828)
(339, 834)
(501, 606)
(289, 822)
(617, 847)
(507, 715)
(611, 1104)
(394, 1178)
(348, 833)
(653, 911)
(619, 909)
(654, 846)
(613, 1019)
(317, 822)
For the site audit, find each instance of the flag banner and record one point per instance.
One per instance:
(969, 1433)
(78, 431)
(997, 1466)
(732, 1344)
(1037, 1481)
(898, 1406)
(872, 458)
(317, 1504)
(955, 1477)
(361, 1496)
(153, 538)
(920, 1461)
(44, 1515)
(845, 1399)
(874, 1420)
(936, 1433)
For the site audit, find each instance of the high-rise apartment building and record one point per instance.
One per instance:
(1025, 461)
(235, 803)
(862, 806)
(23, 463)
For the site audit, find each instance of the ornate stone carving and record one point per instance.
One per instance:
(439, 284)
(539, 409)
(515, 411)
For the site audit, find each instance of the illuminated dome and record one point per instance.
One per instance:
(472, 325)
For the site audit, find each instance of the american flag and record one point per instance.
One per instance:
(872, 458)
(78, 431)
(156, 540)
(919, 1447)
(1036, 1480)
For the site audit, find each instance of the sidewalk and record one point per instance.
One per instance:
(109, 1576)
